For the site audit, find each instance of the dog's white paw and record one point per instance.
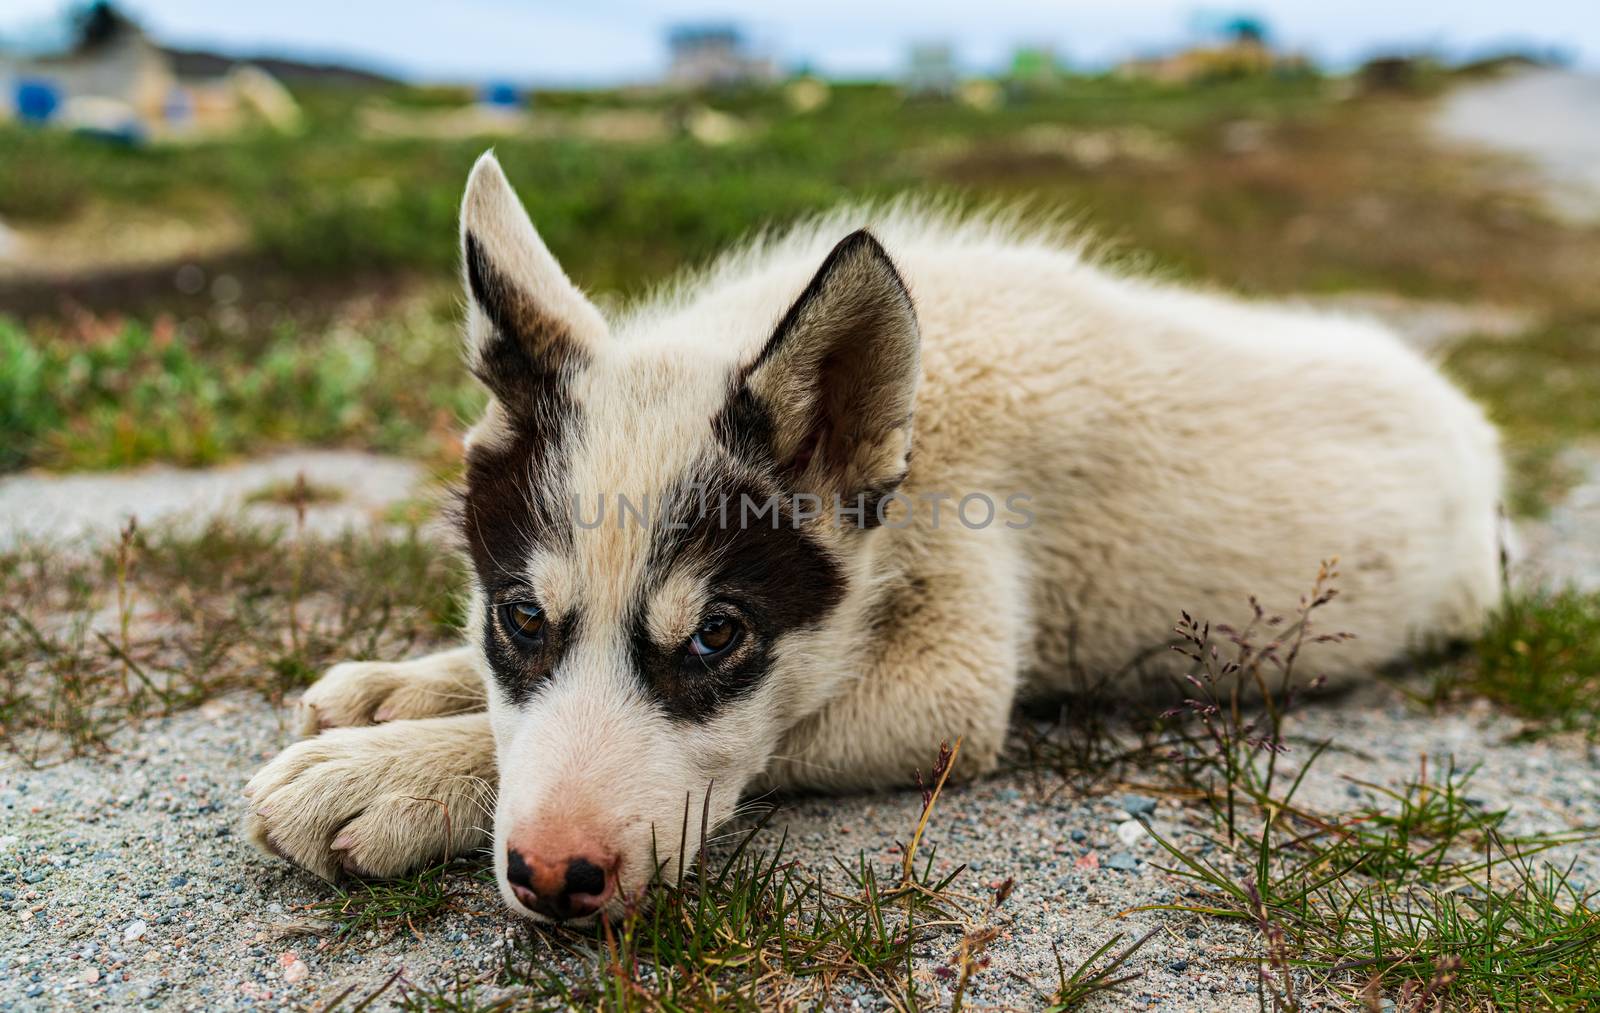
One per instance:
(372, 692)
(379, 801)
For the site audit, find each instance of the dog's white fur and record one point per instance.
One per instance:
(1178, 450)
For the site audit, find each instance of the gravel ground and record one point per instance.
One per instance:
(125, 882)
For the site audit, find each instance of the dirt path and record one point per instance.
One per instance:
(1550, 117)
(94, 505)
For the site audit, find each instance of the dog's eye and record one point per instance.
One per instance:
(524, 621)
(715, 637)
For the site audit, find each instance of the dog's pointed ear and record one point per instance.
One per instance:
(838, 378)
(527, 324)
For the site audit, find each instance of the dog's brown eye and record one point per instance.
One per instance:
(716, 636)
(524, 621)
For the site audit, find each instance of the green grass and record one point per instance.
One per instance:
(192, 383)
(745, 928)
(336, 199)
(1418, 893)
(1309, 203)
(1093, 977)
(1539, 659)
(753, 930)
(1543, 389)
(166, 619)
(1422, 895)
(383, 907)
(115, 395)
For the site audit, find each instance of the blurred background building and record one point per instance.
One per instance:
(96, 70)
(715, 55)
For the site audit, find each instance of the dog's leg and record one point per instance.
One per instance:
(372, 692)
(378, 801)
(946, 665)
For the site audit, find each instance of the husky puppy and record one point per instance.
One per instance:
(977, 463)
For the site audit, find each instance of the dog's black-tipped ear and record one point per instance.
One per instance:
(527, 324)
(838, 378)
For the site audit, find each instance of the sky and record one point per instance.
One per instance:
(612, 41)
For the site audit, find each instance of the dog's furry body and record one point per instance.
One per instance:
(1169, 449)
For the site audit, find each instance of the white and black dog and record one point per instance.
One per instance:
(841, 497)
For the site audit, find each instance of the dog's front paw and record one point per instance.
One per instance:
(372, 692)
(377, 801)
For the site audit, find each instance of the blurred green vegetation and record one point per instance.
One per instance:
(1265, 185)
(1543, 390)
(110, 396)
(336, 197)
(1540, 659)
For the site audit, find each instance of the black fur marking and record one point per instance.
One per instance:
(774, 581)
(526, 358)
(504, 517)
(745, 424)
(518, 668)
(856, 244)
(745, 428)
(509, 506)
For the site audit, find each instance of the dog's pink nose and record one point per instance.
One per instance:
(569, 887)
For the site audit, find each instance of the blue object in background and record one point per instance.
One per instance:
(178, 108)
(37, 100)
(502, 96)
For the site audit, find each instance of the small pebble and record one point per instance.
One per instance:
(1137, 805)
(1122, 862)
(135, 930)
(294, 969)
(1131, 832)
